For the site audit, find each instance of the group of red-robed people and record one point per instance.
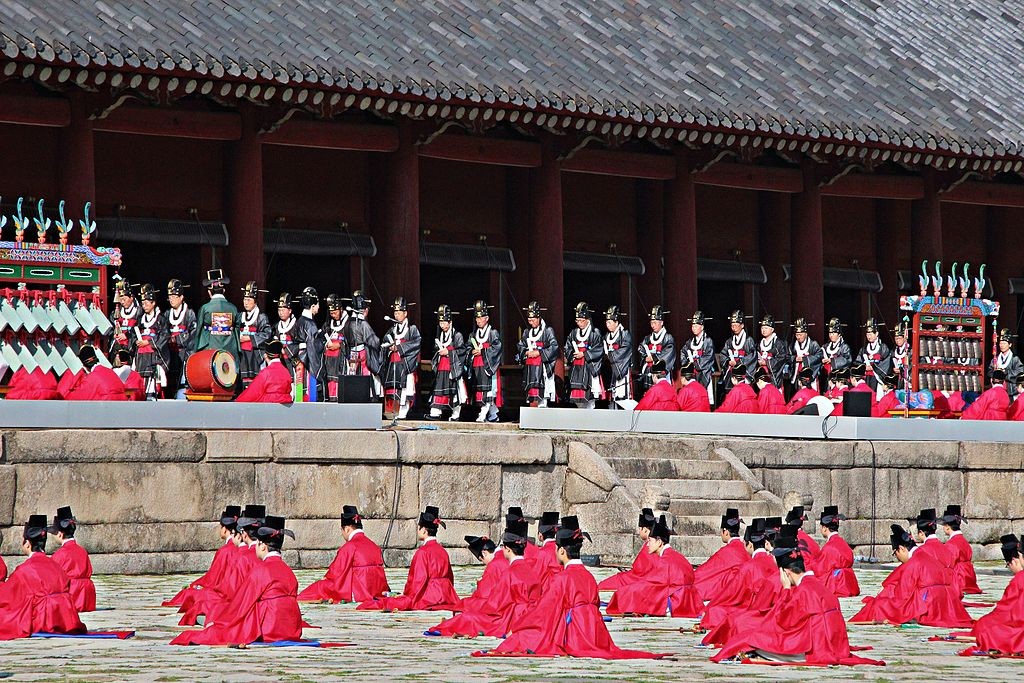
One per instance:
(44, 594)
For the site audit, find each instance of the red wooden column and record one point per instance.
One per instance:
(774, 221)
(243, 258)
(546, 270)
(807, 252)
(650, 224)
(76, 167)
(396, 230)
(680, 240)
(926, 226)
(1003, 263)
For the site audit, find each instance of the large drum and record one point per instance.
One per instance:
(211, 371)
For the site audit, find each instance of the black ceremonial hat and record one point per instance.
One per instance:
(478, 544)
(647, 518)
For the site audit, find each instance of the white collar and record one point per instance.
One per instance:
(957, 532)
(306, 313)
(571, 562)
(355, 533)
(272, 553)
(759, 550)
(274, 360)
(910, 551)
(68, 540)
(515, 558)
(217, 296)
(663, 549)
(735, 538)
(429, 539)
(546, 541)
(809, 572)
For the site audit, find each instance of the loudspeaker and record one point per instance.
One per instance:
(354, 389)
(856, 404)
(809, 409)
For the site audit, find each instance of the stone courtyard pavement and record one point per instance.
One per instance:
(391, 647)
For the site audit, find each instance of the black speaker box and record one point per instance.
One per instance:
(354, 389)
(856, 404)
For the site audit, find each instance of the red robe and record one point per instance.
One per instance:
(547, 561)
(693, 398)
(429, 586)
(740, 399)
(74, 560)
(888, 402)
(355, 575)
(213, 598)
(661, 396)
(753, 591)
(273, 384)
(567, 621)
(1002, 629)
(991, 405)
(100, 384)
(642, 564)
(1016, 410)
(806, 621)
(937, 549)
(35, 599)
(265, 609)
(212, 578)
(720, 569)
(800, 399)
(812, 549)
(134, 381)
(33, 386)
(491, 576)
(770, 401)
(836, 396)
(918, 590)
(834, 567)
(513, 596)
(964, 578)
(665, 590)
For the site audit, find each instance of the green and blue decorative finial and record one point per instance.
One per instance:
(63, 225)
(42, 223)
(88, 226)
(20, 223)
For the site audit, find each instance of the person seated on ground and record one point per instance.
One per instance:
(769, 398)
(33, 386)
(917, 591)
(693, 396)
(838, 383)
(266, 608)
(808, 546)
(890, 399)
(929, 543)
(750, 595)
(225, 554)
(834, 564)
(643, 562)
(35, 597)
(546, 557)
(662, 394)
(666, 590)
(567, 619)
(993, 403)
(806, 626)
(964, 578)
(96, 382)
(74, 560)
(1002, 629)
(741, 397)
(857, 382)
(273, 384)
(1016, 410)
(430, 585)
(720, 569)
(808, 390)
(357, 572)
(513, 596)
(495, 564)
(132, 380)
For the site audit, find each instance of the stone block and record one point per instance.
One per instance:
(104, 493)
(475, 448)
(531, 487)
(995, 495)
(454, 535)
(982, 531)
(462, 491)
(397, 558)
(790, 453)
(313, 559)
(904, 454)
(151, 563)
(991, 456)
(616, 515)
(815, 481)
(104, 445)
(654, 446)
(898, 492)
(306, 491)
(586, 463)
(239, 446)
(335, 446)
(614, 549)
(579, 490)
(130, 537)
(8, 488)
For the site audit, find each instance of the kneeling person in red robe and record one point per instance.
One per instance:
(834, 564)
(964, 578)
(357, 572)
(74, 560)
(741, 397)
(266, 608)
(808, 390)
(97, 382)
(273, 384)
(693, 397)
(495, 564)
(1002, 629)
(35, 597)
(769, 398)
(662, 394)
(225, 554)
(430, 585)
(720, 569)
(666, 590)
(993, 404)
(643, 563)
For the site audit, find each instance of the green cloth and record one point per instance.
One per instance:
(216, 323)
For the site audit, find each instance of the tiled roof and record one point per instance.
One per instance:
(924, 74)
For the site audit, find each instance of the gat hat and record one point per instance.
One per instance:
(658, 367)
(445, 313)
(767, 320)
(840, 373)
(516, 512)
(835, 325)
(63, 520)
(147, 292)
(360, 300)
(583, 310)
(516, 531)
(740, 374)
(175, 287)
(124, 356)
(796, 516)
(350, 516)
(889, 379)
(431, 518)
(900, 537)
(658, 313)
(772, 526)
(87, 355)
(480, 309)
(787, 550)
(548, 523)
(309, 297)
(756, 531)
(35, 527)
(333, 302)
(762, 374)
(997, 375)
(533, 310)
(284, 300)
(272, 531)
(613, 313)
(252, 290)
(731, 520)
(215, 278)
(698, 318)
(569, 533)
(252, 516)
(647, 518)
(801, 325)
(273, 348)
(1011, 547)
(831, 514)
(229, 518)
(661, 530)
(858, 369)
(870, 325)
(687, 367)
(400, 304)
(806, 374)
(925, 520)
(478, 544)
(954, 514)
(736, 317)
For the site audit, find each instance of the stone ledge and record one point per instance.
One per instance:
(991, 456)
(475, 448)
(334, 446)
(311, 491)
(239, 446)
(103, 446)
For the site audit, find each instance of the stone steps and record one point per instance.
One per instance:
(697, 548)
(670, 468)
(683, 508)
(703, 489)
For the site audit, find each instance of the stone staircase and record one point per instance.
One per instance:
(691, 482)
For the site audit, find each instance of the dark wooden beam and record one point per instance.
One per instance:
(622, 164)
(870, 186)
(334, 135)
(35, 111)
(751, 177)
(480, 150)
(199, 125)
(989, 194)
